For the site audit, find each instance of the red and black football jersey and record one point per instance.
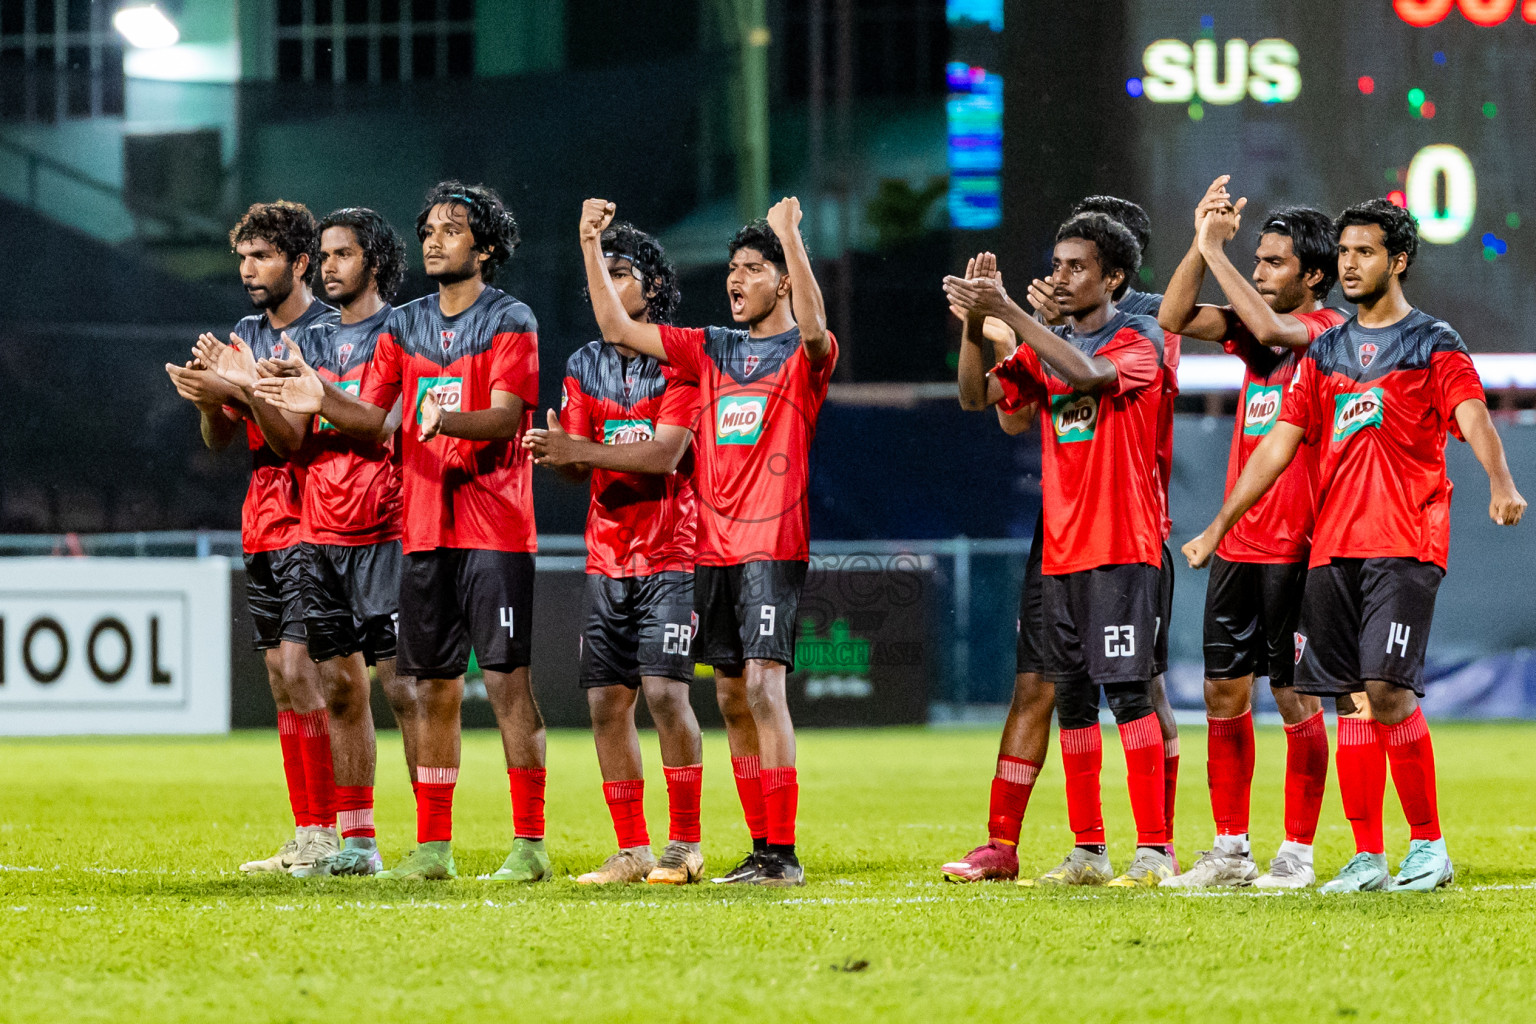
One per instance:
(351, 487)
(1378, 401)
(460, 493)
(1102, 490)
(1278, 529)
(269, 519)
(759, 401)
(638, 523)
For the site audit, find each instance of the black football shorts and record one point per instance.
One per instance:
(272, 591)
(1101, 625)
(452, 599)
(351, 599)
(746, 611)
(1164, 612)
(637, 626)
(1030, 656)
(1252, 610)
(1365, 618)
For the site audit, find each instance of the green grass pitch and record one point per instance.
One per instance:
(119, 900)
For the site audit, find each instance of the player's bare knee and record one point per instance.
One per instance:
(1228, 698)
(1390, 703)
(1295, 707)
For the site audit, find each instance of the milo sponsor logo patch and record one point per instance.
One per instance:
(740, 420)
(1261, 408)
(351, 387)
(1355, 412)
(627, 431)
(448, 390)
(1074, 417)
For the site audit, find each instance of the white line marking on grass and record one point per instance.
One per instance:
(1500, 888)
(10, 867)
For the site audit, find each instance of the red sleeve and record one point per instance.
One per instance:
(1136, 361)
(575, 410)
(681, 404)
(1299, 407)
(381, 379)
(685, 350)
(821, 372)
(1020, 378)
(1318, 321)
(1456, 381)
(515, 364)
(1239, 341)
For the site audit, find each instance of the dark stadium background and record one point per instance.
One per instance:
(114, 193)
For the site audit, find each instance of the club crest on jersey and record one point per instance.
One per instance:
(1367, 353)
(277, 349)
(447, 339)
(740, 420)
(1261, 408)
(749, 365)
(1075, 417)
(627, 431)
(1356, 411)
(1301, 645)
(344, 352)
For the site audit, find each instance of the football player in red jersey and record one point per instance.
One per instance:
(1253, 604)
(761, 390)
(277, 244)
(1026, 732)
(349, 526)
(1377, 396)
(1102, 376)
(627, 424)
(466, 362)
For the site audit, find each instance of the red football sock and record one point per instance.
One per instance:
(781, 799)
(434, 803)
(626, 803)
(1082, 756)
(1306, 775)
(684, 789)
(749, 786)
(1362, 782)
(1143, 743)
(1011, 787)
(293, 766)
(354, 811)
(527, 786)
(1170, 783)
(1229, 770)
(319, 774)
(1413, 772)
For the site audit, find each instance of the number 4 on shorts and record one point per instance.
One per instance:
(508, 622)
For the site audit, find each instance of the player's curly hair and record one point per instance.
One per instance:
(658, 277)
(1400, 227)
(758, 235)
(1313, 240)
(1116, 245)
(491, 224)
(1123, 210)
(383, 248)
(290, 227)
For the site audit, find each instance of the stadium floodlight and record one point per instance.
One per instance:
(146, 27)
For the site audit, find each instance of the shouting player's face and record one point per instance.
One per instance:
(1078, 282)
(1365, 267)
(627, 282)
(448, 245)
(754, 286)
(1277, 274)
(344, 271)
(268, 275)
